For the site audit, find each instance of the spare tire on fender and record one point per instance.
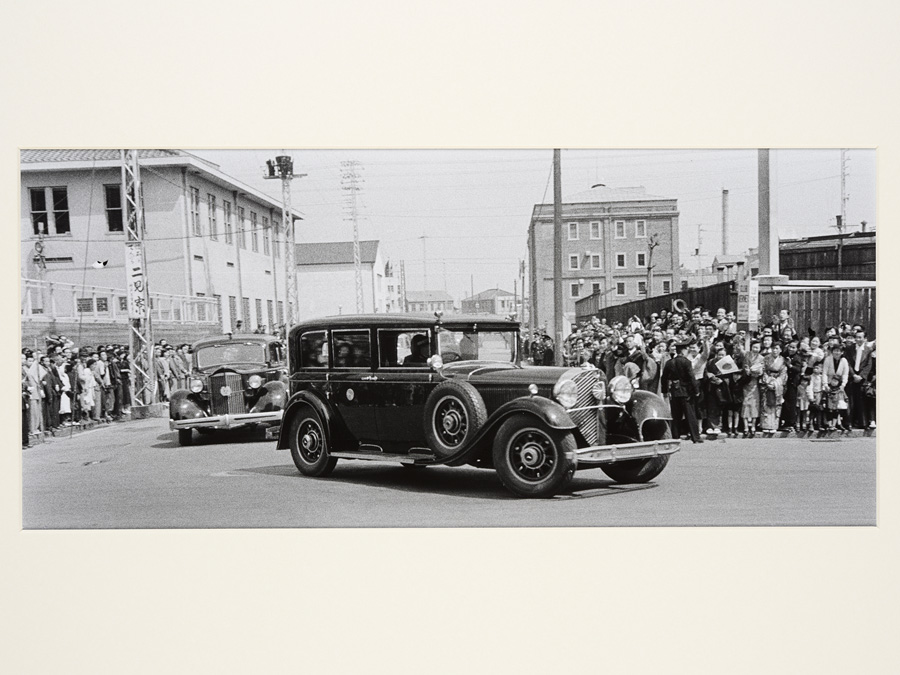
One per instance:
(454, 414)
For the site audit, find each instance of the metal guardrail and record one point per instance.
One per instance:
(46, 301)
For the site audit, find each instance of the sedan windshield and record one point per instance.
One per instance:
(231, 352)
(481, 345)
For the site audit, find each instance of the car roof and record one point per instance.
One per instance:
(236, 337)
(406, 320)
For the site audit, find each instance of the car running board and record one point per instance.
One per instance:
(410, 458)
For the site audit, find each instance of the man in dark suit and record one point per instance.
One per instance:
(679, 383)
(859, 356)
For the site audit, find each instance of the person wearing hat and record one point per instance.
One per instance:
(678, 382)
(418, 351)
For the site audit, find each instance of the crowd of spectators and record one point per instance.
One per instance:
(65, 386)
(772, 379)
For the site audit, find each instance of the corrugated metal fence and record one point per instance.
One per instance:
(718, 295)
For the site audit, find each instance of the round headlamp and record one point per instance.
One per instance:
(255, 381)
(621, 389)
(566, 393)
(599, 390)
(196, 386)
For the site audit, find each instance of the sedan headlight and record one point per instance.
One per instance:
(566, 392)
(196, 386)
(255, 381)
(621, 389)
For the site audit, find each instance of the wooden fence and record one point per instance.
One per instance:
(712, 297)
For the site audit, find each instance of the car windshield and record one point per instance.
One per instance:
(487, 345)
(231, 352)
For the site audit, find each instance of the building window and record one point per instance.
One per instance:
(280, 313)
(254, 235)
(620, 288)
(640, 229)
(265, 235)
(229, 223)
(574, 262)
(269, 312)
(642, 288)
(641, 259)
(211, 208)
(684, 284)
(114, 222)
(259, 314)
(245, 312)
(573, 231)
(574, 289)
(195, 212)
(232, 310)
(242, 228)
(40, 215)
(276, 242)
(620, 229)
(123, 303)
(595, 230)
(595, 261)
(620, 261)
(85, 304)
(218, 299)
(595, 288)
(667, 287)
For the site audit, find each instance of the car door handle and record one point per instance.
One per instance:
(369, 378)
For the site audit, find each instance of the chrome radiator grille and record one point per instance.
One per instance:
(226, 405)
(587, 419)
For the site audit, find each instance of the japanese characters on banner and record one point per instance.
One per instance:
(748, 302)
(138, 303)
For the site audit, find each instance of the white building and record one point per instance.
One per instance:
(326, 279)
(214, 246)
(429, 301)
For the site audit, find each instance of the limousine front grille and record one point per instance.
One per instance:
(587, 420)
(226, 405)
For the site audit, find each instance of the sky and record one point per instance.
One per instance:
(459, 218)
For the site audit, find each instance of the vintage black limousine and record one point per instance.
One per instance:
(236, 380)
(425, 390)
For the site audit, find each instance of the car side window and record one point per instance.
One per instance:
(314, 349)
(352, 349)
(276, 352)
(403, 348)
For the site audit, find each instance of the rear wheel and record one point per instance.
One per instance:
(532, 459)
(638, 470)
(309, 446)
(185, 436)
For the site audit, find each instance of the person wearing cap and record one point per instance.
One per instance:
(679, 384)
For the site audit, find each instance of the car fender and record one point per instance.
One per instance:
(183, 405)
(273, 397)
(305, 399)
(645, 407)
(549, 412)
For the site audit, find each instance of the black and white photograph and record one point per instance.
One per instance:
(372, 335)
(493, 337)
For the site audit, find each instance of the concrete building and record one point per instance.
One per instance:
(605, 249)
(492, 301)
(213, 245)
(326, 279)
(429, 301)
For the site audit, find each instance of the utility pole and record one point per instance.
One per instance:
(350, 181)
(283, 167)
(140, 353)
(557, 257)
(651, 244)
(522, 277)
(724, 222)
(424, 264)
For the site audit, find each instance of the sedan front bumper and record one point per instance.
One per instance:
(598, 455)
(227, 421)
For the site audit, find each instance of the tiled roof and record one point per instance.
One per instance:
(428, 296)
(335, 252)
(83, 155)
(488, 295)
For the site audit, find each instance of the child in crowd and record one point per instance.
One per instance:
(804, 396)
(816, 389)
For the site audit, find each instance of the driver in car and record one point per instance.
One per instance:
(468, 347)
(419, 349)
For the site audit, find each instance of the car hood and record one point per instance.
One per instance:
(493, 371)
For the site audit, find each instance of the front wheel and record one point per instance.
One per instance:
(532, 459)
(309, 446)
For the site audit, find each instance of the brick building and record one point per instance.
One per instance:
(491, 301)
(605, 249)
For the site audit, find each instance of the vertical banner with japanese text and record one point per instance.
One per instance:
(138, 303)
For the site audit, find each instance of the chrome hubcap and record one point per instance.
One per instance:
(532, 455)
(310, 440)
(450, 422)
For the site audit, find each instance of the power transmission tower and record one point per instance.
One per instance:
(350, 181)
(140, 353)
(283, 168)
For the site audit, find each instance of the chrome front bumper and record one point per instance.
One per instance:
(608, 454)
(227, 421)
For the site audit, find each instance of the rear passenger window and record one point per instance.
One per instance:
(314, 350)
(352, 349)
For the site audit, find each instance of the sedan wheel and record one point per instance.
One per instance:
(532, 459)
(309, 445)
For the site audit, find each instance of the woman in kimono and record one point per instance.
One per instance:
(772, 389)
(88, 385)
(836, 372)
(753, 370)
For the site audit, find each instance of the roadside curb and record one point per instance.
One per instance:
(800, 436)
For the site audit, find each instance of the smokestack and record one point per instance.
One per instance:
(724, 222)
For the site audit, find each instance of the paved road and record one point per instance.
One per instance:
(134, 475)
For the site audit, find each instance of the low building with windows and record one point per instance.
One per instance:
(214, 246)
(491, 301)
(429, 301)
(608, 242)
(326, 279)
